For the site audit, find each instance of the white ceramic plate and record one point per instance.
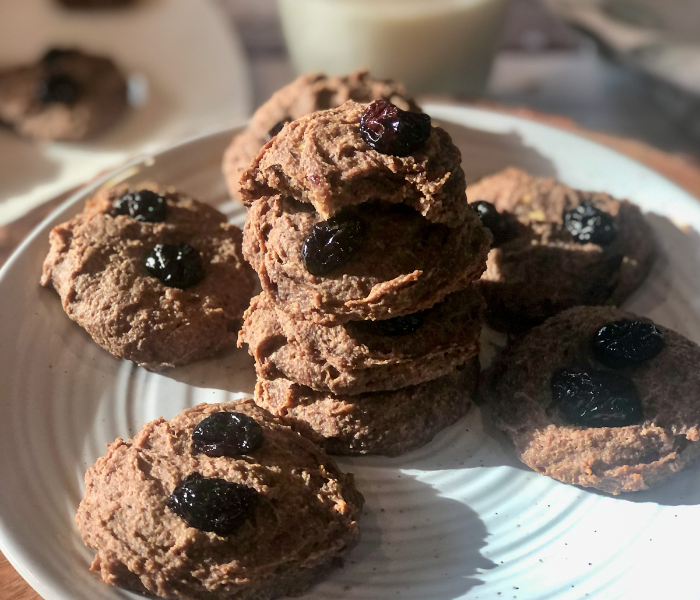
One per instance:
(460, 518)
(160, 44)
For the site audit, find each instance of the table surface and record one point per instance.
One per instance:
(566, 85)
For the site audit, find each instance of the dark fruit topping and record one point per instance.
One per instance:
(625, 343)
(212, 504)
(54, 54)
(143, 206)
(390, 130)
(227, 434)
(593, 398)
(393, 327)
(590, 225)
(176, 265)
(57, 88)
(275, 129)
(332, 243)
(501, 229)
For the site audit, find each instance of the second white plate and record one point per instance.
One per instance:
(186, 60)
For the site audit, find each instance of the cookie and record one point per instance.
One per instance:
(306, 94)
(105, 266)
(68, 95)
(404, 263)
(578, 414)
(323, 159)
(364, 356)
(269, 518)
(96, 3)
(389, 422)
(546, 227)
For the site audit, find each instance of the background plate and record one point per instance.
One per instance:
(160, 44)
(459, 518)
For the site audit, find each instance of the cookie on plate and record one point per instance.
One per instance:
(96, 3)
(306, 94)
(389, 422)
(221, 502)
(394, 261)
(324, 159)
(601, 398)
(68, 95)
(154, 277)
(556, 247)
(364, 356)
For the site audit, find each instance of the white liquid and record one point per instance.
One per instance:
(438, 46)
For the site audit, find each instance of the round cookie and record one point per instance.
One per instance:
(95, 3)
(389, 423)
(323, 159)
(364, 356)
(97, 265)
(533, 244)
(523, 389)
(300, 525)
(68, 95)
(306, 94)
(405, 263)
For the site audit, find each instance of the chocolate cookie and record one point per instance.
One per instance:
(402, 263)
(306, 94)
(389, 422)
(67, 95)
(323, 159)
(600, 248)
(617, 410)
(171, 517)
(96, 3)
(364, 356)
(157, 278)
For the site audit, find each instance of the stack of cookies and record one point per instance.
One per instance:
(365, 336)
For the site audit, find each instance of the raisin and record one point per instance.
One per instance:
(176, 265)
(275, 129)
(144, 205)
(390, 130)
(212, 504)
(501, 229)
(57, 88)
(332, 243)
(625, 343)
(394, 327)
(54, 54)
(590, 225)
(227, 434)
(594, 398)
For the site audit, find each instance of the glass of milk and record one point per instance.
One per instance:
(432, 46)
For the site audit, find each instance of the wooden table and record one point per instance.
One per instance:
(683, 170)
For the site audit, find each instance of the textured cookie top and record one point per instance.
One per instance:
(306, 510)
(306, 94)
(96, 96)
(613, 459)
(364, 356)
(404, 264)
(323, 160)
(97, 265)
(518, 282)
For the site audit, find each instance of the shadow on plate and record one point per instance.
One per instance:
(416, 544)
(490, 152)
(232, 370)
